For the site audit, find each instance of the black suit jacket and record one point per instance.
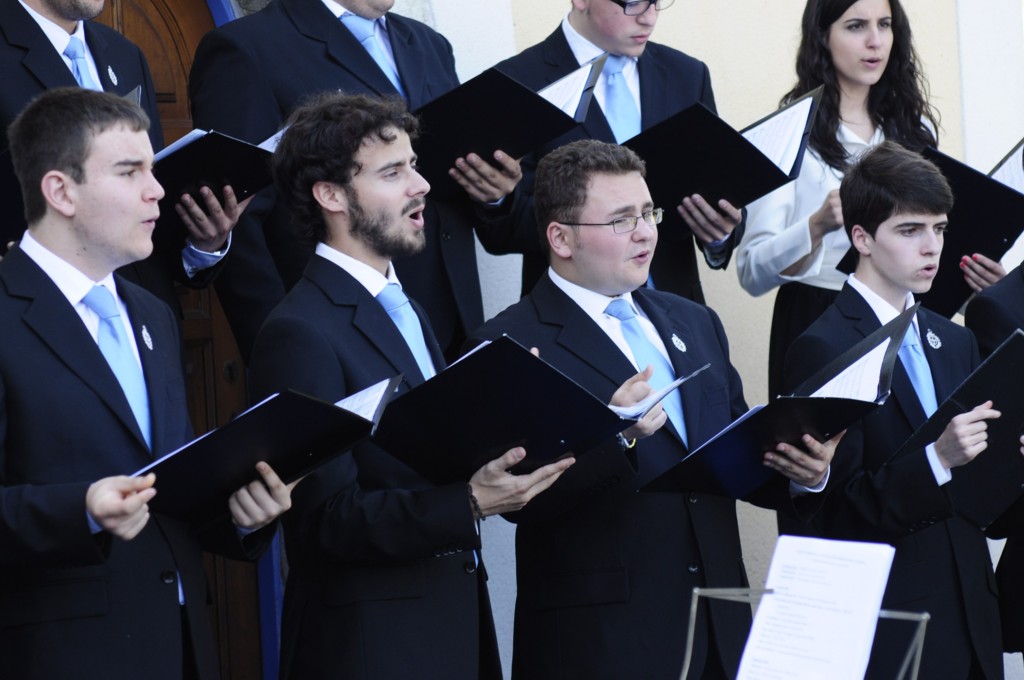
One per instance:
(247, 78)
(604, 573)
(71, 600)
(31, 66)
(383, 582)
(942, 563)
(993, 315)
(670, 81)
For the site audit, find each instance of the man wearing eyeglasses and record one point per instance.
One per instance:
(605, 573)
(642, 84)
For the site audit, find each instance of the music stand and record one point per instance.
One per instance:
(911, 660)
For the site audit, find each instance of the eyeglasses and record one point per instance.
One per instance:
(624, 225)
(635, 8)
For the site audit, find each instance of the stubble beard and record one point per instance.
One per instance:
(373, 230)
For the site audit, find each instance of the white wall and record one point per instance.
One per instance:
(973, 55)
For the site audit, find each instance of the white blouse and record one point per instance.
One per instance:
(778, 233)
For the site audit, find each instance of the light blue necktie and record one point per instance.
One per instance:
(646, 354)
(117, 350)
(396, 304)
(916, 363)
(619, 106)
(363, 30)
(75, 51)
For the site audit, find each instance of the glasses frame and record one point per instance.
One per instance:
(627, 4)
(626, 225)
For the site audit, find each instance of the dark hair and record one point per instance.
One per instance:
(890, 180)
(563, 177)
(898, 102)
(320, 144)
(55, 132)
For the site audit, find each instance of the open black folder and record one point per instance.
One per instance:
(858, 381)
(213, 160)
(292, 432)
(488, 113)
(989, 484)
(696, 152)
(491, 400)
(987, 217)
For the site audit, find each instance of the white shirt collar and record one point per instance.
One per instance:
(371, 279)
(593, 303)
(73, 284)
(337, 10)
(882, 309)
(582, 49)
(54, 33)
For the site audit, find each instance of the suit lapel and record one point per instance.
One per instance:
(578, 334)
(61, 329)
(368, 317)
(41, 60)
(153, 364)
(654, 84)
(317, 23)
(409, 62)
(944, 381)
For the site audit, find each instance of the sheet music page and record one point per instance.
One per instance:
(364, 403)
(180, 143)
(859, 380)
(820, 619)
(271, 142)
(779, 137)
(565, 93)
(1011, 171)
(640, 409)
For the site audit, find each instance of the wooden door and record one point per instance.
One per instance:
(168, 32)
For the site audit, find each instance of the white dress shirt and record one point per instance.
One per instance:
(778, 232)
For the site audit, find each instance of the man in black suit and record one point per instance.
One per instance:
(385, 579)
(992, 316)
(90, 583)
(250, 74)
(894, 208)
(35, 34)
(662, 82)
(605, 573)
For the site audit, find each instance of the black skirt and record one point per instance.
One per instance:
(797, 306)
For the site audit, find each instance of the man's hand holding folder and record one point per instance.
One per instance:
(487, 182)
(494, 490)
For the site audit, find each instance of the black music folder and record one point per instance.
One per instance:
(989, 484)
(488, 113)
(292, 432)
(987, 217)
(213, 160)
(858, 381)
(696, 152)
(491, 400)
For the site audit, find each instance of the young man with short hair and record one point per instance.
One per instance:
(385, 579)
(894, 207)
(91, 389)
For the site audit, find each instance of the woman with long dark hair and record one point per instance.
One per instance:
(862, 53)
